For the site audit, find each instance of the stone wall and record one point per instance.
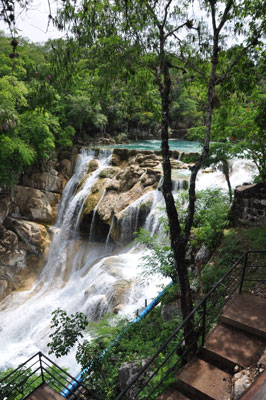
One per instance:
(249, 206)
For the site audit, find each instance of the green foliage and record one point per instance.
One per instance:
(23, 377)
(15, 154)
(34, 130)
(256, 238)
(160, 258)
(27, 380)
(211, 217)
(113, 342)
(229, 251)
(67, 331)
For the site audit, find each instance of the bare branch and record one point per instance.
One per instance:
(175, 30)
(225, 15)
(166, 12)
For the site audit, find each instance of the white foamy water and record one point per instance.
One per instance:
(81, 275)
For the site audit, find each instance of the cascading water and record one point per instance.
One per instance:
(79, 275)
(82, 275)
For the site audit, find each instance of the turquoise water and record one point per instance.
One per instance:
(174, 144)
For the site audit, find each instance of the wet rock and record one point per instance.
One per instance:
(93, 165)
(130, 177)
(118, 293)
(107, 206)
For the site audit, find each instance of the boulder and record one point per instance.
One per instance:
(127, 373)
(241, 381)
(202, 255)
(117, 293)
(170, 311)
(107, 206)
(150, 178)
(93, 165)
(130, 177)
(9, 250)
(34, 235)
(34, 204)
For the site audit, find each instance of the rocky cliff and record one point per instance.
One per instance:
(25, 216)
(115, 208)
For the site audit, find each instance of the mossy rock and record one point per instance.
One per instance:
(91, 203)
(93, 165)
(109, 172)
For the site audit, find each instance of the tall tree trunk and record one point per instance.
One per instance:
(178, 244)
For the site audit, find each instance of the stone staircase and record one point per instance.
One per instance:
(44, 392)
(238, 339)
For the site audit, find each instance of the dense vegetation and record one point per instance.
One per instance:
(67, 90)
(124, 71)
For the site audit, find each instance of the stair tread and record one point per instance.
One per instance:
(172, 394)
(204, 381)
(44, 392)
(246, 312)
(234, 346)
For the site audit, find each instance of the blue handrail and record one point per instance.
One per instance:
(79, 378)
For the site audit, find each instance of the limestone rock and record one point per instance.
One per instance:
(170, 311)
(107, 206)
(109, 172)
(65, 167)
(127, 372)
(4, 207)
(262, 360)
(117, 293)
(47, 181)
(131, 218)
(130, 177)
(93, 165)
(241, 381)
(150, 178)
(9, 251)
(34, 204)
(202, 255)
(34, 235)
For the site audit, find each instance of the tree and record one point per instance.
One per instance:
(155, 27)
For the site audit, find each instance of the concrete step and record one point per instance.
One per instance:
(200, 380)
(226, 347)
(172, 394)
(44, 392)
(247, 313)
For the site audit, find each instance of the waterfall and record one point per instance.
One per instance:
(82, 275)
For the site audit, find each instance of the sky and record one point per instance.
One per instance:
(33, 23)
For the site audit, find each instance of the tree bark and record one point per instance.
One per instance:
(178, 244)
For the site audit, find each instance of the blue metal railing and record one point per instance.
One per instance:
(80, 377)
